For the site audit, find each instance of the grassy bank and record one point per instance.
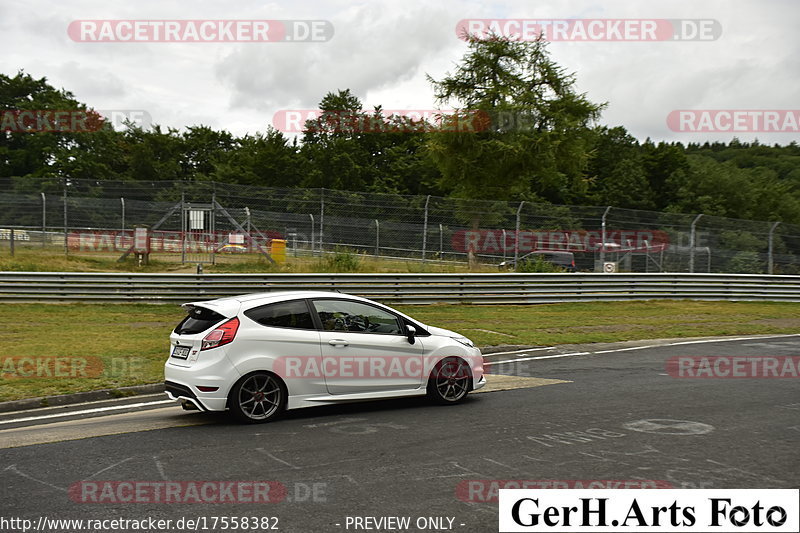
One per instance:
(109, 346)
(30, 259)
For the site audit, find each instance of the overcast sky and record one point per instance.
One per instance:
(383, 49)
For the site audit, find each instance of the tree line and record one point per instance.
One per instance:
(553, 151)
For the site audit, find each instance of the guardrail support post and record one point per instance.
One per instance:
(770, 261)
(692, 243)
(516, 236)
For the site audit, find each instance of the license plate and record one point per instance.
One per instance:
(180, 352)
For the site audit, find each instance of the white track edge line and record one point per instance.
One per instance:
(702, 341)
(161, 402)
(85, 411)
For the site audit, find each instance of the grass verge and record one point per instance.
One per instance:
(109, 346)
(54, 260)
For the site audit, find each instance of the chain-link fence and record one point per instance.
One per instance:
(84, 216)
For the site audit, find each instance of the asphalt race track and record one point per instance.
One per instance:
(566, 416)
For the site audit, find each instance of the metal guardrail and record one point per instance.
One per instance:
(501, 288)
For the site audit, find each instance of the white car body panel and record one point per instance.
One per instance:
(264, 348)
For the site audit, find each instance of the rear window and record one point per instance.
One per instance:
(293, 314)
(198, 320)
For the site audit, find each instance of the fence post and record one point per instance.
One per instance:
(692, 242)
(66, 244)
(516, 235)
(441, 242)
(377, 238)
(321, 218)
(11, 242)
(213, 223)
(122, 200)
(183, 227)
(425, 228)
(44, 220)
(603, 237)
(504, 245)
(247, 227)
(312, 233)
(770, 262)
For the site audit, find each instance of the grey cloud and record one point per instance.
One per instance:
(369, 51)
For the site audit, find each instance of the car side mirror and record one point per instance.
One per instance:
(411, 334)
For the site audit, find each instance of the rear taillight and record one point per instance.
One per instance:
(221, 335)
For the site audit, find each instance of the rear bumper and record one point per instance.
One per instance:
(181, 392)
(212, 370)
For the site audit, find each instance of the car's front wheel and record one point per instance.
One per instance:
(450, 381)
(258, 397)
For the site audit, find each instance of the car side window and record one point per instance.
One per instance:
(292, 314)
(343, 315)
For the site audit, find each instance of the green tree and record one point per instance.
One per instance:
(32, 154)
(203, 149)
(660, 163)
(267, 160)
(530, 128)
(627, 186)
(617, 171)
(154, 154)
(723, 189)
(350, 149)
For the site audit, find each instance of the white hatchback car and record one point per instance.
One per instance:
(259, 354)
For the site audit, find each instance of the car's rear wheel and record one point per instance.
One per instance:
(450, 381)
(257, 398)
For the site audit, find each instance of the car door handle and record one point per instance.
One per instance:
(338, 342)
